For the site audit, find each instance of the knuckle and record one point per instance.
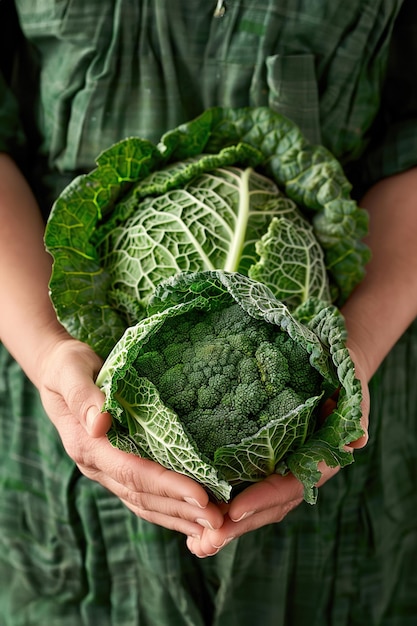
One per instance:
(79, 458)
(290, 506)
(80, 451)
(75, 454)
(77, 399)
(129, 477)
(140, 501)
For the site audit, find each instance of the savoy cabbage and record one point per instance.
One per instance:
(234, 208)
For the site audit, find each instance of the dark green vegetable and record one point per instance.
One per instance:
(233, 211)
(226, 374)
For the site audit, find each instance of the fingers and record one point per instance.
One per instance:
(82, 396)
(96, 422)
(154, 493)
(142, 476)
(359, 443)
(266, 502)
(177, 524)
(150, 491)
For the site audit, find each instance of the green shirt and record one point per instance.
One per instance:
(110, 69)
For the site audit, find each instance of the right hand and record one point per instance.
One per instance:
(73, 403)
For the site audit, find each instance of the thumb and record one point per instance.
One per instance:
(97, 422)
(82, 396)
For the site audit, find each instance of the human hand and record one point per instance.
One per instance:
(263, 503)
(270, 500)
(73, 403)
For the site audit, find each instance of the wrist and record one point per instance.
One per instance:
(32, 351)
(58, 354)
(362, 341)
(385, 303)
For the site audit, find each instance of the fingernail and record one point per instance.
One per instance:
(243, 516)
(205, 523)
(91, 417)
(194, 502)
(190, 549)
(225, 542)
(199, 556)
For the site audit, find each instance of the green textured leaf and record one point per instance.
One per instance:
(153, 431)
(291, 262)
(100, 284)
(144, 425)
(213, 221)
(261, 455)
(233, 206)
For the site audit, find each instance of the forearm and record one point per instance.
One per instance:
(28, 323)
(385, 303)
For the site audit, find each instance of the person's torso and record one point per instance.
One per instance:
(115, 68)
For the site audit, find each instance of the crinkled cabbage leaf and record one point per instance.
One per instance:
(143, 424)
(234, 189)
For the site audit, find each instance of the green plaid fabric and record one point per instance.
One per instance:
(71, 554)
(114, 68)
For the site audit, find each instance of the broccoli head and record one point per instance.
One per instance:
(226, 374)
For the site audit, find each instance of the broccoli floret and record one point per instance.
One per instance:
(172, 381)
(248, 370)
(212, 429)
(249, 399)
(282, 404)
(209, 397)
(304, 378)
(273, 367)
(173, 354)
(226, 374)
(182, 400)
(151, 364)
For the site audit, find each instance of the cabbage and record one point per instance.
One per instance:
(304, 240)
(236, 195)
(146, 426)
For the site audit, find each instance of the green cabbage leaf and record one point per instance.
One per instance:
(234, 189)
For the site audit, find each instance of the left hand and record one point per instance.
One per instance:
(266, 502)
